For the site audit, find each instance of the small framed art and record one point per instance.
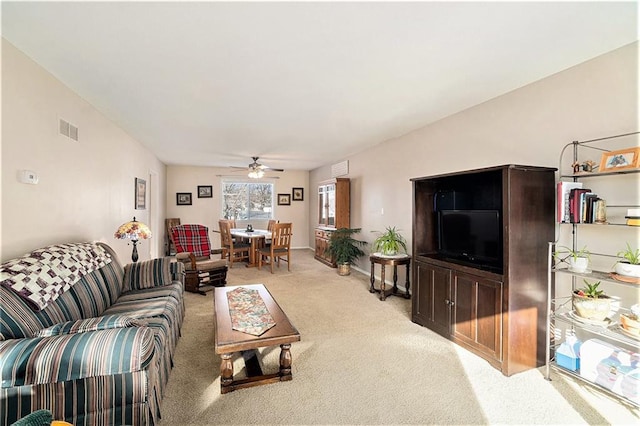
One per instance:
(141, 194)
(621, 159)
(183, 198)
(297, 194)
(284, 199)
(205, 191)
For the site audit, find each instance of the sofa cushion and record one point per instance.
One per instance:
(147, 274)
(90, 324)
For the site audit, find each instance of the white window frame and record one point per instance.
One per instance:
(246, 180)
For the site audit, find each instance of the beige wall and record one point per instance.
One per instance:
(527, 126)
(86, 188)
(207, 211)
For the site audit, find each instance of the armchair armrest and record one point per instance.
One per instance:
(75, 356)
(187, 257)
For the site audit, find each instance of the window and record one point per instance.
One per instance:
(247, 200)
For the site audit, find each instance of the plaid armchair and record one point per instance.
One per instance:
(193, 248)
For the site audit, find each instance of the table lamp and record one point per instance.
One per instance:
(133, 231)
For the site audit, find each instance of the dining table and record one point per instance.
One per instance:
(256, 237)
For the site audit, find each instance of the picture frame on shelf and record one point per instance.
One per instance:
(297, 194)
(140, 194)
(622, 159)
(183, 198)
(284, 199)
(205, 191)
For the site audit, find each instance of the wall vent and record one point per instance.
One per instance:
(69, 130)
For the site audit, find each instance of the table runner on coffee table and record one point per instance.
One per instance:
(248, 312)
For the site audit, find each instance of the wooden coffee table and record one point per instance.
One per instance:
(229, 341)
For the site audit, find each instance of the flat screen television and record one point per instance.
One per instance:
(473, 236)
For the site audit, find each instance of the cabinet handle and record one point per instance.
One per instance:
(449, 302)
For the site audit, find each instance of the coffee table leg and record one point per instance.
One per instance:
(285, 362)
(226, 371)
(395, 279)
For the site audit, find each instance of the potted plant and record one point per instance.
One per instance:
(345, 249)
(591, 303)
(390, 242)
(578, 260)
(630, 264)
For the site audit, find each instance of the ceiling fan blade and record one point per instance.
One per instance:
(272, 169)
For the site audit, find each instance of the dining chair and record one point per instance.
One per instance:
(193, 248)
(267, 241)
(280, 246)
(234, 250)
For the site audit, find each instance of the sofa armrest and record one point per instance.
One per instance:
(75, 356)
(147, 274)
(177, 270)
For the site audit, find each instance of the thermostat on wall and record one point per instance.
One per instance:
(27, 176)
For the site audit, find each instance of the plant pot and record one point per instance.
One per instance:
(592, 308)
(579, 264)
(390, 252)
(344, 269)
(627, 269)
(630, 324)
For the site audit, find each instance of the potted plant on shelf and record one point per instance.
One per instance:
(629, 265)
(390, 242)
(578, 260)
(591, 303)
(345, 249)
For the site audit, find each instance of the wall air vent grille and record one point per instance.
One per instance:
(69, 130)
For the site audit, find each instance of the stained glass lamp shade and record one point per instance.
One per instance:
(133, 231)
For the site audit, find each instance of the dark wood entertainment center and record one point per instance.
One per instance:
(497, 310)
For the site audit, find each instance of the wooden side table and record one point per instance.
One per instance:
(394, 260)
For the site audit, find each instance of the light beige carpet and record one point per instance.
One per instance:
(362, 361)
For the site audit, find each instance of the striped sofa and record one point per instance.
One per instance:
(101, 352)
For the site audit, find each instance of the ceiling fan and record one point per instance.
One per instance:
(257, 170)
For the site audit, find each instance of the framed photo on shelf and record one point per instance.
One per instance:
(284, 199)
(141, 194)
(205, 191)
(297, 194)
(621, 159)
(183, 198)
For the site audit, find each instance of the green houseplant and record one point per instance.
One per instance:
(591, 303)
(578, 259)
(345, 249)
(629, 265)
(390, 242)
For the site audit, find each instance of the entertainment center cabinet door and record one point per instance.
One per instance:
(477, 314)
(431, 297)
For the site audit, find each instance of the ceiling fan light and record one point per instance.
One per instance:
(256, 174)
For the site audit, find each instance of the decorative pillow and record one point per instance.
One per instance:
(147, 274)
(90, 324)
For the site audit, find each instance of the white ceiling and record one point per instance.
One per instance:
(301, 84)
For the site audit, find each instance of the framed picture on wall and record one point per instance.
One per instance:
(205, 191)
(284, 199)
(183, 198)
(297, 194)
(140, 194)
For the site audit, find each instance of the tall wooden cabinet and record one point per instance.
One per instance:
(333, 213)
(496, 310)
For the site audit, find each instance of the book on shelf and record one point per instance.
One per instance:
(633, 220)
(576, 204)
(564, 190)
